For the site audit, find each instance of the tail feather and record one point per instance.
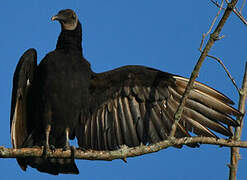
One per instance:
(53, 166)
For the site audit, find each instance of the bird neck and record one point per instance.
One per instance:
(70, 40)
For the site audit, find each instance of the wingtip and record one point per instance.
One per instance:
(182, 81)
(31, 52)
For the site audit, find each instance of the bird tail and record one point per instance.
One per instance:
(52, 166)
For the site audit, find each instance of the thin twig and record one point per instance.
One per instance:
(238, 13)
(212, 24)
(226, 70)
(235, 10)
(242, 6)
(122, 153)
(237, 135)
(213, 37)
(216, 3)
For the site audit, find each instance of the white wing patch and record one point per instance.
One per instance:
(13, 127)
(28, 83)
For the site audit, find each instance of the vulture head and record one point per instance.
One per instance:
(67, 18)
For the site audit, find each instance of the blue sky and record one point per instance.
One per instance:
(160, 34)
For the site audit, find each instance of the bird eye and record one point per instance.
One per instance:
(73, 16)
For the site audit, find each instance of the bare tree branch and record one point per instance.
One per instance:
(235, 156)
(238, 13)
(235, 10)
(213, 37)
(122, 153)
(204, 35)
(216, 3)
(226, 70)
(212, 24)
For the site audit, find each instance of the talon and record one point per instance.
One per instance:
(52, 148)
(66, 147)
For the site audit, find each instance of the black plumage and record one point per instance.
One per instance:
(136, 104)
(63, 98)
(59, 86)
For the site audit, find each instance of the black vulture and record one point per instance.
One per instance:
(63, 98)
(51, 96)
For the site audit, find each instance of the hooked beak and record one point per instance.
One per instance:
(53, 18)
(58, 17)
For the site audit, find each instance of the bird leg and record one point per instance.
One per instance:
(47, 146)
(67, 146)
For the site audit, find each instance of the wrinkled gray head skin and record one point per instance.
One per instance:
(67, 18)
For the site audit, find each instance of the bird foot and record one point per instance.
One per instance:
(52, 148)
(48, 148)
(66, 148)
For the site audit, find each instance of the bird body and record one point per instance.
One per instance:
(63, 98)
(62, 80)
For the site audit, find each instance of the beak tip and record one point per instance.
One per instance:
(53, 18)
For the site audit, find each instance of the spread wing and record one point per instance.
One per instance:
(20, 105)
(135, 105)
